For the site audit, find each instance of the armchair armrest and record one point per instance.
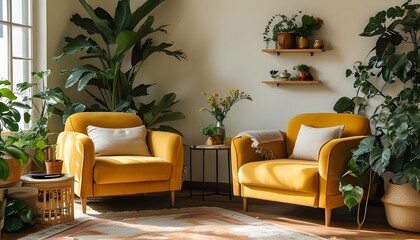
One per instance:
(78, 154)
(168, 146)
(242, 153)
(333, 160)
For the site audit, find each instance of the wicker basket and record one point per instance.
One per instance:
(54, 166)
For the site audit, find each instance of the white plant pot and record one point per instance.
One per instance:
(402, 207)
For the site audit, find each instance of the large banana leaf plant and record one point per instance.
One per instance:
(391, 76)
(117, 41)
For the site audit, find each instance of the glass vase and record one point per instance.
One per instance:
(221, 132)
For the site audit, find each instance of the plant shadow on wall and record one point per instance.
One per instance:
(391, 76)
(127, 34)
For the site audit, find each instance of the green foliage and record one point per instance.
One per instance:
(289, 24)
(394, 60)
(16, 214)
(126, 40)
(9, 120)
(209, 130)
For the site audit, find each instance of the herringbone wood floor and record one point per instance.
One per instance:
(311, 220)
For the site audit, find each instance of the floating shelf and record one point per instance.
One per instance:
(293, 82)
(307, 50)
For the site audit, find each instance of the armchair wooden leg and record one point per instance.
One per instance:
(83, 201)
(172, 198)
(328, 216)
(245, 203)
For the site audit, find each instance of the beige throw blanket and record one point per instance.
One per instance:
(259, 137)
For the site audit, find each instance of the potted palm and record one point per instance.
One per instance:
(126, 43)
(395, 145)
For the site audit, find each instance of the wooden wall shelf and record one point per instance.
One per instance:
(308, 50)
(294, 82)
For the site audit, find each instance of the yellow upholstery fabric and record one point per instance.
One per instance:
(301, 182)
(119, 175)
(283, 174)
(126, 169)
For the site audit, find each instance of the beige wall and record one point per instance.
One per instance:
(223, 41)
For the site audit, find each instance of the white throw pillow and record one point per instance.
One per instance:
(310, 140)
(119, 141)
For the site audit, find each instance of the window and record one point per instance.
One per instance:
(16, 38)
(16, 41)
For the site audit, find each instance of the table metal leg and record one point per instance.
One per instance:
(229, 177)
(191, 187)
(204, 172)
(217, 171)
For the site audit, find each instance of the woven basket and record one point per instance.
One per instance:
(54, 166)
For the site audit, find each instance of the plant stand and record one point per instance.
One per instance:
(55, 196)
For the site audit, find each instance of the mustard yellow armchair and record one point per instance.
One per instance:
(295, 181)
(97, 176)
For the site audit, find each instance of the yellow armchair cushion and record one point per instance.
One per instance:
(129, 169)
(284, 174)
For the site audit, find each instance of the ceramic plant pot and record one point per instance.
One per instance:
(54, 166)
(14, 173)
(286, 40)
(402, 207)
(302, 42)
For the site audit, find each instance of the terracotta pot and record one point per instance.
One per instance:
(286, 40)
(54, 166)
(14, 174)
(302, 42)
(402, 207)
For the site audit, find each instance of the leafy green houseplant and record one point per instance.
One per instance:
(126, 39)
(393, 63)
(16, 215)
(10, 117)
(44, 102)
(285, 24)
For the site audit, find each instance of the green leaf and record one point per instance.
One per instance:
(344, 104)
(103, 25)
(26, 215)
(85, 80)
(379, 159)
(16, 152)
(12, 223)
(21, 105)
(85, 23)
(365, 146)
(352, 195)
(7, 93)
(24, 86)
(396, 61)
(142, 11)
(4, 169)
(3, 107)
(14, 206)
(122, 15)
(348, 72)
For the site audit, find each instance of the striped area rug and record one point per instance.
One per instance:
(185, 223)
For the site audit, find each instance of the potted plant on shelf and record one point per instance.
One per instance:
(304, 72)
(391, 76)
(126, 43)
(308, 25)
(281, 30)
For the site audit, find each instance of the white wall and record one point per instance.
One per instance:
(223, 41)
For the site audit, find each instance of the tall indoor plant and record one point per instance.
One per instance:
(126, 38)
(394, 62)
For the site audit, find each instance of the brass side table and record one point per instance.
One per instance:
(204, 149)
(55, 198)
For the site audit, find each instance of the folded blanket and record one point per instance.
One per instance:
(259, 137)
